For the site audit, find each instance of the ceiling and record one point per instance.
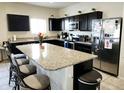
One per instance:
(52, 4)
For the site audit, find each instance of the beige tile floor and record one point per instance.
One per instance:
(4, 76)
(108, 82)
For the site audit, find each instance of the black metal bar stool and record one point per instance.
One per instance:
(90, 80)
(21, 60)
(25, 69)
(30, 81)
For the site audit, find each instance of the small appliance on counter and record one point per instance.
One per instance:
(84, 38)
(13, 38)
(64, 35)
(75, 38)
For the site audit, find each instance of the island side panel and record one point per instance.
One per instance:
(61, 79)
(65, 78)
(80, 69)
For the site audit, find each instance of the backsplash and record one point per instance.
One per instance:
(80, 33)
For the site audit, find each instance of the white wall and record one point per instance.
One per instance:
(109, 9)
(24, 9)
(121, 68)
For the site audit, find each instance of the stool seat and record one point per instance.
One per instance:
(27, 69)
(37, 81)
(91, 77)
(19, 56)
(22, 61)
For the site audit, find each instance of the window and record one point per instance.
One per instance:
(38, 25)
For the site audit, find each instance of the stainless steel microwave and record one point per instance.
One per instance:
(73, 26)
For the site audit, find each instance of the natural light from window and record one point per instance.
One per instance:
(38, 25)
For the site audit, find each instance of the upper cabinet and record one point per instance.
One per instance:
(85, 20)
(91, 16)
(55, 24)
(81, 22)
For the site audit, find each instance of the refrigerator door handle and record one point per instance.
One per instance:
(102, 39)
(97, 50)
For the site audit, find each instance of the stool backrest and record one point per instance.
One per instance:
(18, 72)
(14, 60)
(8, 46)
(9, 55)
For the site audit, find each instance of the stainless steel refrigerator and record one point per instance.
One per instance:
(106, 39)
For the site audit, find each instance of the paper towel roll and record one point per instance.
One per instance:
(14, 37)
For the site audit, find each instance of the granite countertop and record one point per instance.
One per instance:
(52, 57)
(24, 40)
(20, 40)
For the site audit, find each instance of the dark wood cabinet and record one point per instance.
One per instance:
(73, 18)
(83, 22)
(55, 24)
(63, 24)
(91, 16)
(83, 47)
(55, 42)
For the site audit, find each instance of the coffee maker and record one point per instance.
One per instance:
(84, 38)
(64, 35)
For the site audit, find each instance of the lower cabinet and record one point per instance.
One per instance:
(83, 47)
(55, 42)
(77, 46)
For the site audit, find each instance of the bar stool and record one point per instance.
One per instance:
(25, 69)
(21, 58)
(1, 50)
(90, 80)
(35, 82)
(21, 61)
(32, 81)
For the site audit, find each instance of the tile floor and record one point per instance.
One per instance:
(4, 74)
(108, 82)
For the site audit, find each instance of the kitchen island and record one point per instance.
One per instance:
(55, 61)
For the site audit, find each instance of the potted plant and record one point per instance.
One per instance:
(40, 36)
